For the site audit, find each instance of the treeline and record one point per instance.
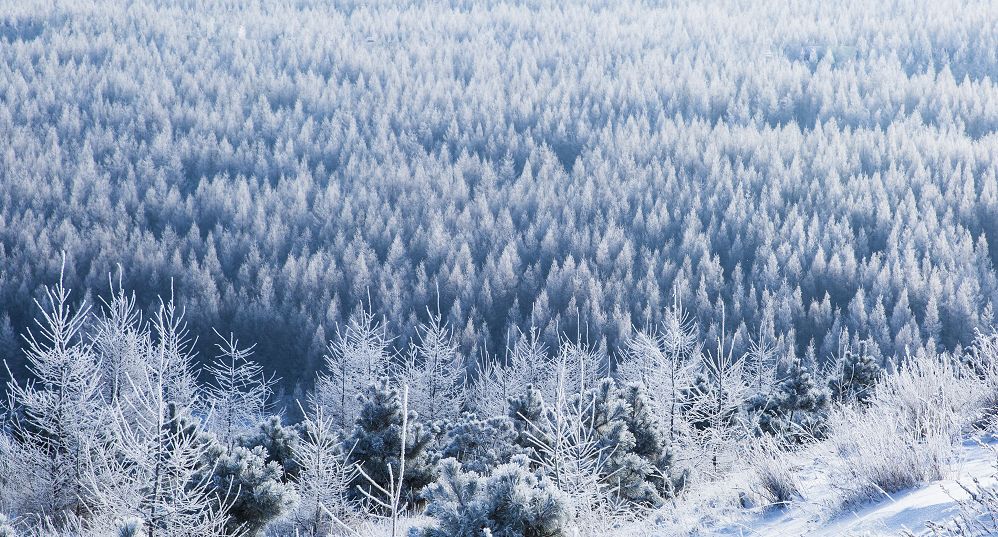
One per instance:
(281, 165)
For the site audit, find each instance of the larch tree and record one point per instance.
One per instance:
(664, 361)
(714, 403)
(435, 371)
(324, 478)
(57, 416)
(357, 356)
(157, 462)
(238, 392)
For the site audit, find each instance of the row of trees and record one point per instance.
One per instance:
(533, 165)
(116, 431)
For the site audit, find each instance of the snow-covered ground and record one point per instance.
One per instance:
(906, 510)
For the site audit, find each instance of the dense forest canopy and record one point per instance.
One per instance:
(807, 174)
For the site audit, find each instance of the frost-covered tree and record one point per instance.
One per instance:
(324, 479)
(636, 464)
(121, 339)
(796, 409)
(250, 490)
(435, 372)
(526, 364)
(713, 405)
(9, 346)
(376, 445)
(762, 365)
(58, 417)
(510, 500)
(546, 180)
(652, 447)
(562, 443)
(530, 364)
(237, 393)
(357, 357)
(171, 376)
(578, 368)
(854, 376)
(493, 386)
(599, 446)
(278, 442)
(156, 461)
(161, 472)
(664, 361)
(480, 444)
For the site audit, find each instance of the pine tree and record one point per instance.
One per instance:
(855, 376)
(796, 410)
(277, 441)
(529, 363)
(494, 384)
(117, 335)
(599, 446)
(638, 465)
(480, 444)
(376, 443)
(251, 490)
(651, 443)
(931, 322)
(510, 502)
(525, 411)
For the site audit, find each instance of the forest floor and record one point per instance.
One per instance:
(906, 510)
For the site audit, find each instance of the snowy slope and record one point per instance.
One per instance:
(906, 510)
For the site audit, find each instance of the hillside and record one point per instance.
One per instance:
(498, 268)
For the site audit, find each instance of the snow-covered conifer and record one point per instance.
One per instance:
(435, 371)
(58, 416)
(663, 361)
(510, 500)
(796, 409)
(324, 478)
(357, 356)
(278, 442)
(376, 443)
(237, 393)
(854, 376)
(480, 444)
(250, 489)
